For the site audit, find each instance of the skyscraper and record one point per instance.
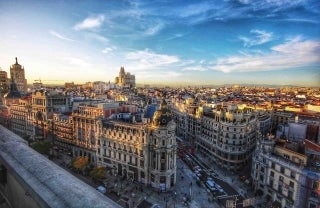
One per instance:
(18, 76)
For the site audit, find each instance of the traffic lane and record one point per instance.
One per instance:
(226, 187)
(230, 191)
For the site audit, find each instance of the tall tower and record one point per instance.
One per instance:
(162, 152)
(18, 76)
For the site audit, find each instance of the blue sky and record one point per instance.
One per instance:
(180, 42)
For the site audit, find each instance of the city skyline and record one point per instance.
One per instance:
(178, 42)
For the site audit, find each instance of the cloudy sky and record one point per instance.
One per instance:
(181, 42)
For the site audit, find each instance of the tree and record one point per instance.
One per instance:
(98, 173)
(80, 163)
(42, 147)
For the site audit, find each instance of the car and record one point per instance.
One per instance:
(209, 179)
(211, 186)
(101, 189)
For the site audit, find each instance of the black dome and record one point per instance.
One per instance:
(162, 116)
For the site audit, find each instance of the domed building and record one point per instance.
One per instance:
(142, 151)
(13, 95)
(163, 149)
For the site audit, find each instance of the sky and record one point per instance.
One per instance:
(180, 42)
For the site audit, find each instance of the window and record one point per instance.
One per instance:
(281, 178)
(282, 169)
(271, 183)
(163, 166)
(271, 173)
(261, 178)
(293, 174)
(273, 165)
(291, 184)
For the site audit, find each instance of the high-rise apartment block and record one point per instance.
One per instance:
(125, 80)
(17, 74)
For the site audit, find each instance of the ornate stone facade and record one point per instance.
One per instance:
(142, 152)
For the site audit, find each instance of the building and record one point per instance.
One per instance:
(265, 122)
(13, 95)
(228, 136)
(21, 119)
(162, 153)
(312, 175)
(4, 82)
(44, 104)
(144, 152)
(85, 119)
(63, 131)
(125, 80)
(17, 74)
(286, 173)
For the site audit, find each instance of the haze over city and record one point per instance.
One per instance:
(169, 42)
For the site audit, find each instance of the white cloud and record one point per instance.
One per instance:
(195, 68)
(175, 36)
(291, 54)
(155, 29)
(260, 37)
(77, 62)
(147, 59)
(58, 35)
(244, 1)
(108, 49)
(195, 9)
(97, 37)
(90, 23)
(192, 65)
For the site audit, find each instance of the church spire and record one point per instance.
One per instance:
(16, 60)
